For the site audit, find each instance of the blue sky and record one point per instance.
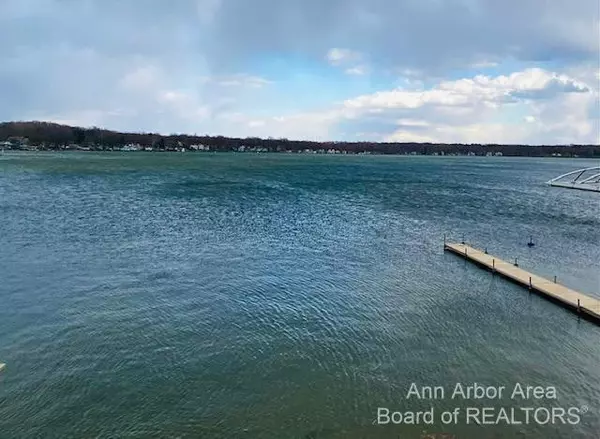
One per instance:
(511, 71)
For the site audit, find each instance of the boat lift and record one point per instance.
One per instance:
(587, 179)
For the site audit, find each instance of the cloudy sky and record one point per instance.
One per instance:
(506, 71)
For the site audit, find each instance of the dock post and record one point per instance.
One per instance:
(544, 287)
(444, 240)
(516, 262)
(463, 240)
(485, 251)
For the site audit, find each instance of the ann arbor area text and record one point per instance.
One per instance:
(479, 391)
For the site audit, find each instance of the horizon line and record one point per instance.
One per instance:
(270, 139)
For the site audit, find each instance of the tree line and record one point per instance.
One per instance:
(49, 135)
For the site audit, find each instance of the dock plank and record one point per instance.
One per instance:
(567, 296)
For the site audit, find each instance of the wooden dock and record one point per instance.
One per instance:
(587, 306)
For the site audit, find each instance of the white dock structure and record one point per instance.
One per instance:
(587, 179)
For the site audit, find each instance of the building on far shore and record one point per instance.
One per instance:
(200, 147)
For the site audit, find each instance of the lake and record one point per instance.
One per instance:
(154, 295)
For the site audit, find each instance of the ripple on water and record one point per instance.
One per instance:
(276, 296)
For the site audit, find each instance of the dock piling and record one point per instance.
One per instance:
(586, 306)
(516, 264)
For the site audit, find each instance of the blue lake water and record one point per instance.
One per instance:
(284, 296)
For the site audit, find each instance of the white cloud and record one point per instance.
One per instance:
(562, 117)
(408, 136)
(350, 60)
(238, 80)
(531, 106)
(481, 109)
(359, 70)
(318, 125)
(483, 65)
(483, 132)
(470, 91)
(256, 123)
(179, 67)
(141, 77)
(241, 80)
(337, 56)
(413, 122)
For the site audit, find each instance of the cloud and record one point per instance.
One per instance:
(208, 10)
(357, 70)
(239, 80)
(432, 36)
(316, 126)
(337, 56)
(351, 60)
(483, 64)
(403, 69)
(141, 77)
(413, 123)
(555, 85)
(483, 109)
(480, 109)
(428, 35)
(532, 83)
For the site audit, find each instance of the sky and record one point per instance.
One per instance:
(454, 71)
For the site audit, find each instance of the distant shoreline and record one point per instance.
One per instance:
(45, 136)
(300, 153)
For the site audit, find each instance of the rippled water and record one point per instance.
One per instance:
(283, 296)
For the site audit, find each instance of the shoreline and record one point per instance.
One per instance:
(302, 153)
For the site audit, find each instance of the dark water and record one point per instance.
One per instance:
(278, 296)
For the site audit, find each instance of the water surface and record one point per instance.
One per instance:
(283, 296)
